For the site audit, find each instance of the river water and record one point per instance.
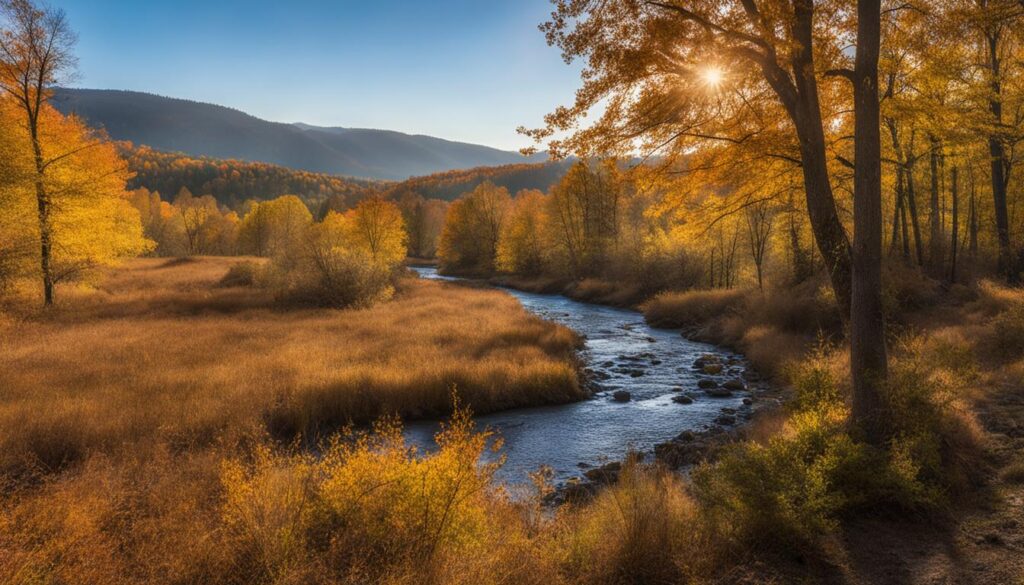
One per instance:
(624, 353)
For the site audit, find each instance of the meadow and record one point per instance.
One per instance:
(161, 353)
(158, 425)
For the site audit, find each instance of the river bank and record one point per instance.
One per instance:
(651, 387)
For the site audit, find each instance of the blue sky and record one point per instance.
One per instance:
(470, 70)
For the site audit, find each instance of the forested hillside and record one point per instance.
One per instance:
(453, 184)
(232, 182)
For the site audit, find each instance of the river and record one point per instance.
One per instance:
(624, 353)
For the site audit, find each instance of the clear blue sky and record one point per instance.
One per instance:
(470, 70)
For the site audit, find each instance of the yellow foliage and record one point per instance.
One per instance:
(275, 228)
(92, 221)
(374, 503)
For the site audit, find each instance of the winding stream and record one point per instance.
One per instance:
(624, 353)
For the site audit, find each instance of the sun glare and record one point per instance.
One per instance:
(712, 76)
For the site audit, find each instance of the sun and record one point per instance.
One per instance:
(712, 76)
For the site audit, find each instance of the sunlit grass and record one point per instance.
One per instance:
(161, 354)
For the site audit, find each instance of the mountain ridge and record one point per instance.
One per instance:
(204, 129)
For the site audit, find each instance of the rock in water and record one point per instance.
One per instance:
(736, 385)
(622, 396)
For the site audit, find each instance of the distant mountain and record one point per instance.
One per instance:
(200, 129)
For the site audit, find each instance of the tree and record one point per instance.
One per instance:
(89, 218)
(759, 230)
(375, 227)
(160, 222)
(35, 54)
(469, 240)
(275, 228)
(665, 94)
(195, 212)
(521, 245)
(996, 20)
(424, 219)
(669, 104)
(585, 215)
(868, 356)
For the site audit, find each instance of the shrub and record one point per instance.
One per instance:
(906, 287)
(1014, 473)
(337, 278)
(369, 505)
(791, 490)
(1006, 333)
(242, 274)
(645, 529)
(693, 308)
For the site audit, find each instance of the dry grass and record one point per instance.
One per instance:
(161, 354)
(163, 397)
(772, 329)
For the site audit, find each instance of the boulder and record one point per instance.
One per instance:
(726, 419)
(712, 369)
(686, 436)
(736, 385)
(706, 383)
(607, 474)
(718, 392)
(682, 399)
(622, 396)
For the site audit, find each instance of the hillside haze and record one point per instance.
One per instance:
(202, 129)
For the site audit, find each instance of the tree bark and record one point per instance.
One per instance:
(972, 217)
(799, 96)
(43, 209)
(894, 242)
(955, 220)
(936, 240)
(904, 232)
(868, 359)
(1000, 162)
(915, 222)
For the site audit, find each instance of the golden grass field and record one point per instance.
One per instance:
(159, 353)
(148, 432)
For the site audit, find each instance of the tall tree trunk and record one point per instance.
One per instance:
(43, 208)
(915, 222)
(905, 165)
(897, 212)
(797, 89)
(1000, 162)
(936, 240)
(972, 217)
(868, 359)
(904, 232)
(955, 220)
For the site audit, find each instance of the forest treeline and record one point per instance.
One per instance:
(451, 185)
(232, 182)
